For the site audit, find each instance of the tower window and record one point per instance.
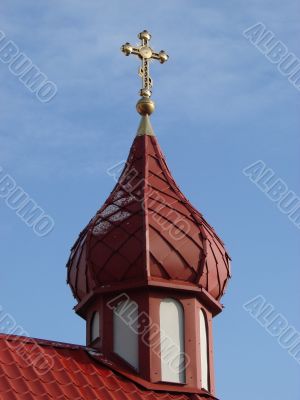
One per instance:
(172, 341)
(125, 322)
(204, 350)
(95, 326)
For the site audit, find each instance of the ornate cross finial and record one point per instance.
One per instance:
(146, 54)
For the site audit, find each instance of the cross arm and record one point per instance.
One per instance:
(128, 49)
(162, 56)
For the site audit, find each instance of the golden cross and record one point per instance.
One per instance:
(146, 54)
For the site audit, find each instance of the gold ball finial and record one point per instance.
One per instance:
(145, 106)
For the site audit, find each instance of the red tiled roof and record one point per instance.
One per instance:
(148, 231)
(34, 369)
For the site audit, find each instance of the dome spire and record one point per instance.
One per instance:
(148, 271)
(145, 106)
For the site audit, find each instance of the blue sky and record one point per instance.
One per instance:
(221, 105)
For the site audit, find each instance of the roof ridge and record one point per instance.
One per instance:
(43, 342)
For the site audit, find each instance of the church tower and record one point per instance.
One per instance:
(148, 272)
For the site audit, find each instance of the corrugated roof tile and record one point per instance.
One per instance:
(74, 375)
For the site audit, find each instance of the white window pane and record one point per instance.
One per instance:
(95, 326)
(204, 351)
(125, 332)
(172, 341)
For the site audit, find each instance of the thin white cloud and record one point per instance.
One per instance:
(212, 73)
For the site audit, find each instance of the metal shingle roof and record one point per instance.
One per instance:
(147, 230)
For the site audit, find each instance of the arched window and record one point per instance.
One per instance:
(172, 341)
(126, 332)
(204, 350)
(95, 326)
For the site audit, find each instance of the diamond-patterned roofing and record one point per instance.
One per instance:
(147, 231)
(32, 369)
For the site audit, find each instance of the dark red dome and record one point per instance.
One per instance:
(147, 231)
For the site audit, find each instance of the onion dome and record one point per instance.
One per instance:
(147, 233)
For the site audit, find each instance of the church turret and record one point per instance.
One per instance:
(148, 271)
